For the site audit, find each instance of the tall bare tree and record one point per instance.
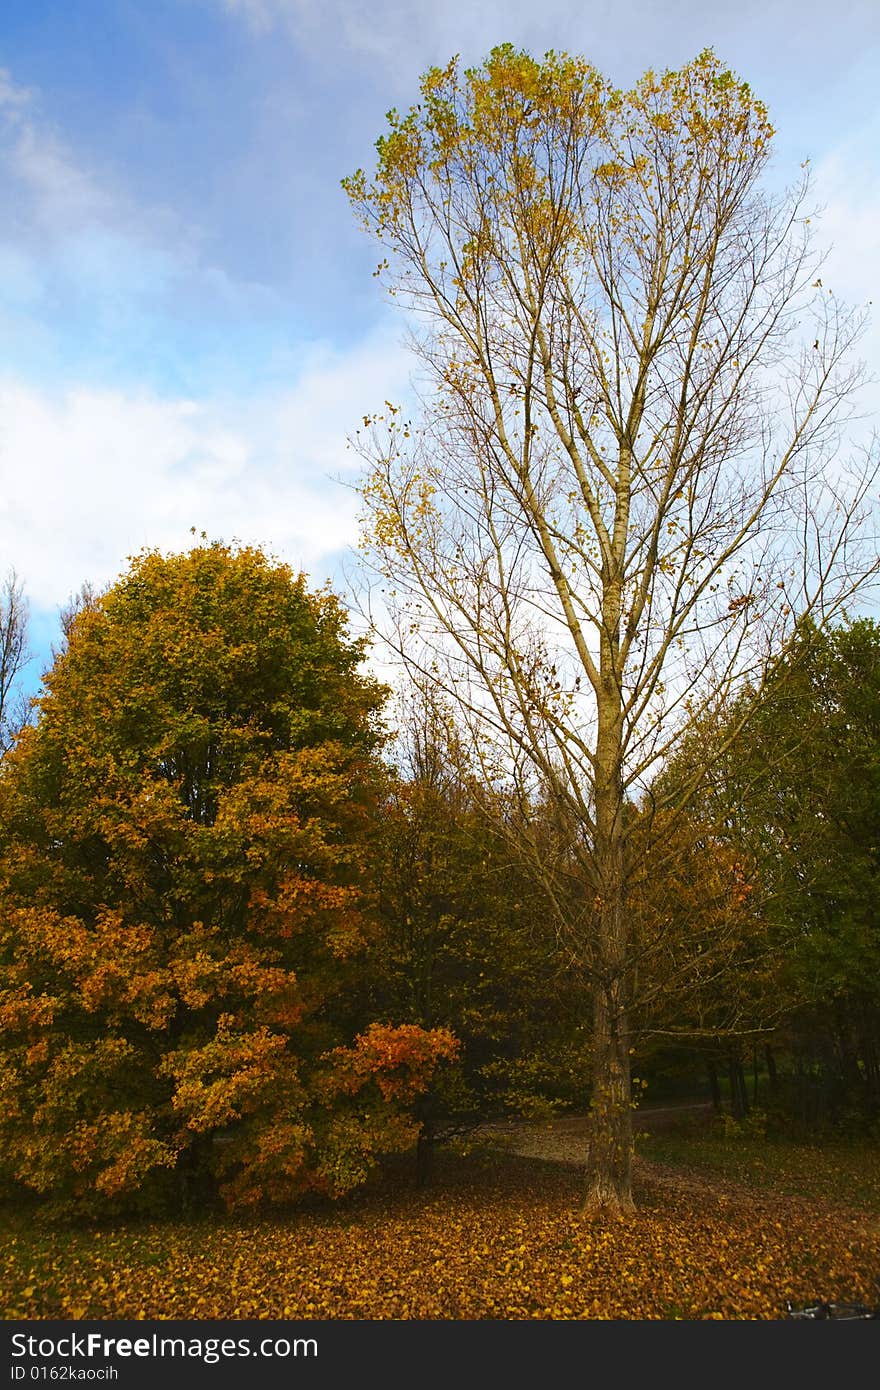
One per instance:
(84, 600)
(14, 657)
(625, 485)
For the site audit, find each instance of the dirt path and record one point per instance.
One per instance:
(564, 1140)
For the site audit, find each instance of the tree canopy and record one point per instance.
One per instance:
(183, 837)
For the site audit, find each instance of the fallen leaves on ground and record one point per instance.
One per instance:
(496, 1238)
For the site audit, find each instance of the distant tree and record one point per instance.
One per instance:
(14, 657)
(710, 975)
(85, 598)
(624, 486)
(183, 840)
(468, 943)
(796, 796)
(805, 794)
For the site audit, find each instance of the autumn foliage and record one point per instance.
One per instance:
(493, 1240)
(184, 838)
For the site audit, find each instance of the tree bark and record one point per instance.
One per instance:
(714, 1087)
(739, 1097)
(425, 1154)
(611, 1131)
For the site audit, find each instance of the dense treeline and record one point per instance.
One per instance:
(798, 799)
(252, 939)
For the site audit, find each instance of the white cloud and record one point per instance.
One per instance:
(54, 188)
(63, 193)
(401, 37)
(91, 476)
(67, 221)
(95, 464)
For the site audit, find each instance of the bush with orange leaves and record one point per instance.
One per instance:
(183, 839)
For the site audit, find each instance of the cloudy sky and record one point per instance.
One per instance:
(189, 326)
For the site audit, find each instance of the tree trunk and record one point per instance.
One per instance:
(871, 1063)
(425, 1154)
(739, 1097)
(611, 1128)
(609, 1183)
(714, 1087)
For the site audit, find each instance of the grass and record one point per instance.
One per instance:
(496, 1237)
(846, 1174)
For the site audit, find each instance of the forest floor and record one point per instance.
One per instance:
(725, 1228)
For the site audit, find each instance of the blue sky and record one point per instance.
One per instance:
(188, 322)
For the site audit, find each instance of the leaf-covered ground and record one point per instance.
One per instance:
(497, 1237)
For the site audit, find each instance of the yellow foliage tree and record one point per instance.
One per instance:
(625, 487)
(184, 834)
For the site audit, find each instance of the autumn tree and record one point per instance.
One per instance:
(625, 484)
(183, 835)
